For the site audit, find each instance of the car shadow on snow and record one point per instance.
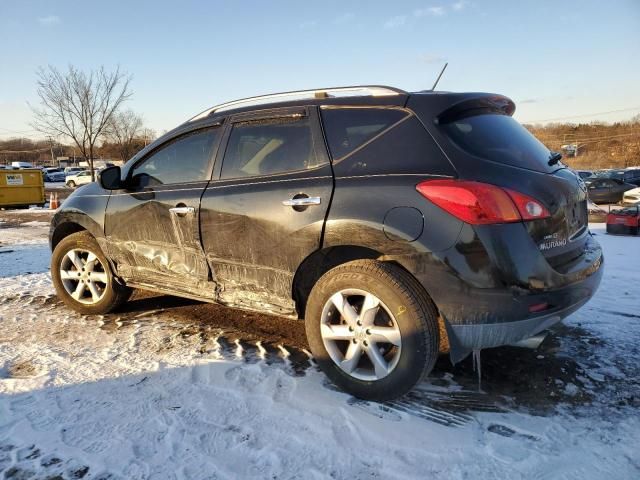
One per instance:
(567, 370)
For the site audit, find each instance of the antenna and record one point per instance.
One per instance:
(438, 79)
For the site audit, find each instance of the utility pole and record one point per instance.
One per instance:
(53, 160)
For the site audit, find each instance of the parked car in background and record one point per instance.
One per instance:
(475, 235)
(631, 197)
(585, 173)
(22, 165)
(606, 190)
(628, 175)
(73, 170)
(78, 179)
(54, 175)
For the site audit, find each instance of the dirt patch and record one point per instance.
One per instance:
(15, 218)
(23, 369)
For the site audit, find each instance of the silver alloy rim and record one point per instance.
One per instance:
(360, 334)
(83, 276)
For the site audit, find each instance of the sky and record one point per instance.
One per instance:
(569, 60)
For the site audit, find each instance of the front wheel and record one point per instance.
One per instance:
(71, 184)
(82, 277)
(372, 329)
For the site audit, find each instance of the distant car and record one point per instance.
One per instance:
(627, 175)
(73, 170)
(81, 178)
(585, 173)
(54, 175)
(22, 165)
(606, 190)
(631, 197)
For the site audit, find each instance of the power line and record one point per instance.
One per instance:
(584, 115)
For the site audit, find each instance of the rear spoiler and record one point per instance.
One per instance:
(477, 106)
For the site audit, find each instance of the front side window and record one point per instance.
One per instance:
(183, 160)
(266, 147)
(349, 128)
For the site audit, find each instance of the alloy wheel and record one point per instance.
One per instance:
(83, 276)
(360, 334)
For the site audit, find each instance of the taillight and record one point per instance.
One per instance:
(481, 203)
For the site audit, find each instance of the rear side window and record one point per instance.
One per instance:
(266, 147)
(501, 139)
(349, 128)
(183, 160)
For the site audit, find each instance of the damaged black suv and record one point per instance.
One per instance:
(396, 224)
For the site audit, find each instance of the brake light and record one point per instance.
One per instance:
(481, 203)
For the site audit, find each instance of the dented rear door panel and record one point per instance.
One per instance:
(254, 243)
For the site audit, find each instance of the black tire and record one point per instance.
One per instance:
(71, 184)
(416, 318)
(114, 294)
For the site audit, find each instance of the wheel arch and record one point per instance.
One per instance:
(320, 262)
(323, 260)
(67, 223)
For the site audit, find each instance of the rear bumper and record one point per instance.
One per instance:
(495, 287)
(562, 302)
(463, 339)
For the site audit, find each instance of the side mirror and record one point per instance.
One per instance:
(110, 178)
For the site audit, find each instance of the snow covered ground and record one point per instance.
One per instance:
(143, 395)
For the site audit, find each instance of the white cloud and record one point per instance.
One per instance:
(49, 20)
(459, 5)
(395, 22)
(308, 24)
(429, 11)
(344, 18)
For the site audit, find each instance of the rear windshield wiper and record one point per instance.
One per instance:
(554, 158)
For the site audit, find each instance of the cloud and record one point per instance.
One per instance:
(529, 100)
(431, 58)
(429, 12)
(49, 20)
(308, 24)
(344, 18)
(459, 5)
(395, 22)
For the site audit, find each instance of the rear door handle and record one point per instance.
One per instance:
(180, 211)
(301, 201)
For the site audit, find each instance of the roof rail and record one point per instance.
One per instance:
(354, 91)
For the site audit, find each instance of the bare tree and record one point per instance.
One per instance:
(124, 130)
(79, 105)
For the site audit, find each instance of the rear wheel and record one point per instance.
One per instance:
(82, 277)
(372, 329)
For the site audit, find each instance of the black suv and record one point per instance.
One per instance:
(396, 224)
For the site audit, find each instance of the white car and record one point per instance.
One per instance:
(73, 170)
(81, 178)
(631, 197)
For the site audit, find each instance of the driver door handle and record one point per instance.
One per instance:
(301, 201)
(180, 211)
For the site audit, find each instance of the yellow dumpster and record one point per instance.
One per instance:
(21, 188)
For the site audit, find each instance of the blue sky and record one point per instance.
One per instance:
(554, 58)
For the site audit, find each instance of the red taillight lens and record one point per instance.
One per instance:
(481, 203)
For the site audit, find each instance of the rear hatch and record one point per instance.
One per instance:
(485, 144)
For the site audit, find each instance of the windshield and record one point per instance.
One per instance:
(502, 139)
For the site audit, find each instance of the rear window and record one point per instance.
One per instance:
(349, 128)
(501, 139)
